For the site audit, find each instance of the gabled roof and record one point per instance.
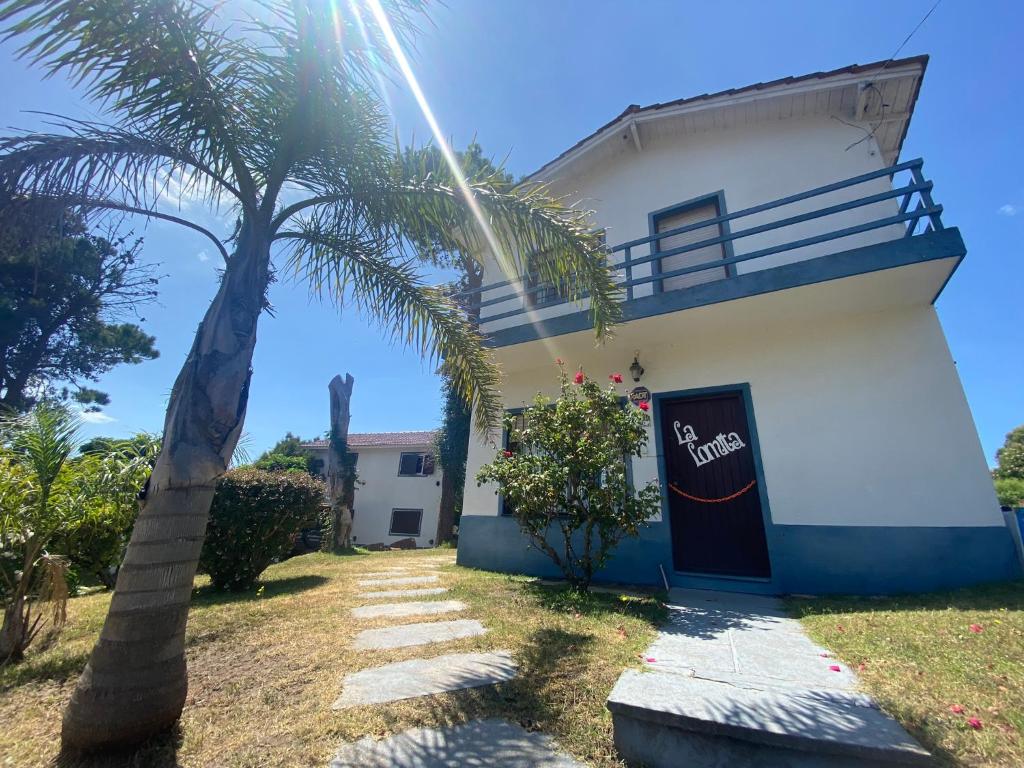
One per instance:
(911, 70)
(374, 439)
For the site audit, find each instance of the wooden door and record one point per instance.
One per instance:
(714, 505)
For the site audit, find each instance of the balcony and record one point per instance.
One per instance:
(881, 220)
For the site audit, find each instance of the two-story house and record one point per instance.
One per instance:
(779, 266)
(398, 493)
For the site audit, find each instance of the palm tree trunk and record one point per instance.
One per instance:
(135, 683)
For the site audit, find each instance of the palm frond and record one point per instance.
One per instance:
(44, 437)
(347, 262)
(91, 157)
(162, 65)
(427, 208)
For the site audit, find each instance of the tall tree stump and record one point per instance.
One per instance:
(341, 476)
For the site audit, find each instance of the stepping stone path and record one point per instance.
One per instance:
(422, 677)
(397, 581)
(403, 593)
(417, 634)
(476, 744)
(398, 610)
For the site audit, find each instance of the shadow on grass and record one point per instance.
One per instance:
(53, 667)
(264, 590)
(552, 662)
(559, 598)
(159, 752)
(986, 597)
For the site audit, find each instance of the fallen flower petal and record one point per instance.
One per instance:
(974, 722)
(824, 655)
(956, 709)
(650, 659)
(975, 628)
(835, 668)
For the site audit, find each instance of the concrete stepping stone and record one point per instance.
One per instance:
(734, 680)
(423, 677)
(476, 744)
(403, 593)
(397, 581)
(415, 608)
(392, 573)
(417, 634)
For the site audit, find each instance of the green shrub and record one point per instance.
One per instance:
(253, 521)
(279, 462)
(564, 474)
(1010, 491)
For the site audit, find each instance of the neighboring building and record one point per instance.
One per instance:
(779, 267)
(398, 494)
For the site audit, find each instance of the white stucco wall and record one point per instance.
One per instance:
(861, 419)
(380, 490)
(751, 165)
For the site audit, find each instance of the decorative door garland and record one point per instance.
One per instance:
(730, 497)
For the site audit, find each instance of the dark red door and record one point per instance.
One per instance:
(714, 504)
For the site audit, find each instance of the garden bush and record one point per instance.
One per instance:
(1010, 491)
(564, 474)
(253, 520)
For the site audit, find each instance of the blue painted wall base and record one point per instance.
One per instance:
(806, 559)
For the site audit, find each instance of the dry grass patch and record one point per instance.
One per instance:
(265, 667)
(918, 656)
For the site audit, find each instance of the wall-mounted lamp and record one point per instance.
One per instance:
(636, 370)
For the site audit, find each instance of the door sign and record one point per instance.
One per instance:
(722, 445)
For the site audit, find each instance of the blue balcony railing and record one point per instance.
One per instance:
(904, 209)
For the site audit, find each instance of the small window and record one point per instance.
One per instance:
(539, 291)
(689, 215)
(406, 522)
(416, 464)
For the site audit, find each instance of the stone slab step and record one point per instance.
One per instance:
(476, 744)
(663, 719)
(403, 593)
(424, 677)
(414, 608)
(417, 634)
(396, 581)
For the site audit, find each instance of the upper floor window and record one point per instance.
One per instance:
(415, 464)
(686, 215)
(541, 292)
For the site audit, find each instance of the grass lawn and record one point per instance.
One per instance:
(265, 667)
(919, 656)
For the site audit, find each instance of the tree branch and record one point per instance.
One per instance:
(113, 205)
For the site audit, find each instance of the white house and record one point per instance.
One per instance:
(398, 495)
(779, 265)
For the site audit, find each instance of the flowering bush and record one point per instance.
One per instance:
(254, 518)
(565, 472)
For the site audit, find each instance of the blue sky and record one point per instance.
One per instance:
(528, 79)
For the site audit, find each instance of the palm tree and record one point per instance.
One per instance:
(277, 115)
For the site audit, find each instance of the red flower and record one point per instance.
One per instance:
(558, 361)
(642, 405)
(956, 709)
(578, 378)
(508, 454)
(616, 377)
(835, 668)
(974, 722)
(976, 628)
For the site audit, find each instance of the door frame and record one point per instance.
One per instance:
(702, 581)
